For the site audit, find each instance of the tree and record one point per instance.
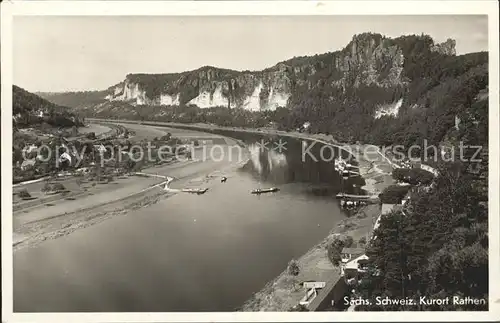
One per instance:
(334, 250)
(348, 242)
(437, 248)
(90, 135)
(394, 194)
(293, 267)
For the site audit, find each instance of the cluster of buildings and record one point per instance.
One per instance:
(354, 260)
(353, 265)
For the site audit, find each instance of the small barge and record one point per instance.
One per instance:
(195, 190)
(265, 190)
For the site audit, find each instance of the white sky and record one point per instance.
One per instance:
(84, 53)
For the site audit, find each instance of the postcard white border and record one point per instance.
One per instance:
(268, 8)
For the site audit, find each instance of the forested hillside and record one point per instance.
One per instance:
(29, 110)
(378, 90)
(74, 99)
(436, 247)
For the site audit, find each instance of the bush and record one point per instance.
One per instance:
(90, 135)
(58, 187)
(334, 250)
(401, 174)
(419, 176)
(413, 176)
(166, 137)
(394, 194)
(24, 194)
(362, 241)
(47, 187)
(348, 242)
(53, 187)
(293, 267)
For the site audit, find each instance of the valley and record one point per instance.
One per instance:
(338, 142)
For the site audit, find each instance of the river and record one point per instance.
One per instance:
(188, 252)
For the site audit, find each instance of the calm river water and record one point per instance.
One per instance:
(206, 252)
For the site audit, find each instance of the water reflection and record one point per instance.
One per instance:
(293, 165)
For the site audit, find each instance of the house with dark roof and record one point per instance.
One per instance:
(353, 270)
(347, 255)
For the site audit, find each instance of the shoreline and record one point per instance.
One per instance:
(284, 291)
(32, 233)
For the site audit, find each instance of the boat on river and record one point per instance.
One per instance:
(195, 190)
(353, 196)
(265, 190)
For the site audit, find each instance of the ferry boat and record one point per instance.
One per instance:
(195, 190)
(265, 190)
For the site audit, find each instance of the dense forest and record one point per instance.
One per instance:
(436, 247)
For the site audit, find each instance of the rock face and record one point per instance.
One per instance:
(368, 60)
(368, 63)
(206, 87)
(445, 48)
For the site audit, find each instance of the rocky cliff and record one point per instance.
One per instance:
(368, 60)
(376, 89)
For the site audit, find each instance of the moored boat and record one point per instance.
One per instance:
(195, 190)
(265, 190)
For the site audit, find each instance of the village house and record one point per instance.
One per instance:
(347, 255)
(354, 269)
(426, 167)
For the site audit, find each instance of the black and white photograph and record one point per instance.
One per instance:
(226, 158)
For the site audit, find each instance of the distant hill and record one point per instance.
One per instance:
(78, 99)
(29, 110)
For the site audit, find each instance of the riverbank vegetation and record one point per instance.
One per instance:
(413, 176)
(437, 246)
(393, 194)
(334, 248)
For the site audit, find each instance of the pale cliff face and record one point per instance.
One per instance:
(389, 109)
(214, 93)
(206, 99)
(367, 60)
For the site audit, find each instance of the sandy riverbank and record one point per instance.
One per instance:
(41, 220)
